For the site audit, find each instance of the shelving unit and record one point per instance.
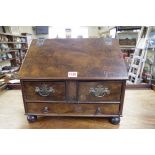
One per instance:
(16, 44)
(12, 52)
(14, 35)
(8, 59)
(28, 37)
(127, 37)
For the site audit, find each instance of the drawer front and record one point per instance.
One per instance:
(73, 109)
(44, 90)
(100, 91)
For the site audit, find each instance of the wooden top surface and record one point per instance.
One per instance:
(92, 58)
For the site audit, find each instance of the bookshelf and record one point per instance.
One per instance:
(12, 52)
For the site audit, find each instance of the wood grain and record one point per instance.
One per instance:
(92, 58)
(113, 86)
(30, 94)
(73, 109)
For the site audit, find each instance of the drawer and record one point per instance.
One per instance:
(100, 91)
(73, 109)
(44, 90)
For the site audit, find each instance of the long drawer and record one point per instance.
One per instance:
(100, 91)
(44, 90)
(73, 109)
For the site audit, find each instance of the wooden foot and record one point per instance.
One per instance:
(31, 118)
(115, 120)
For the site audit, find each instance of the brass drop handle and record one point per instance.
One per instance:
(45, 110)
(44, 90)
(98, 110)
(99, 91)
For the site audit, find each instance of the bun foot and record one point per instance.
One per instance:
(115, 120)
(31, 118)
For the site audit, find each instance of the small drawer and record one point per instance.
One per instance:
(73, 109)
(100, 91)
(44, 90)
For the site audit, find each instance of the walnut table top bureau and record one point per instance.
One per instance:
(74, 77)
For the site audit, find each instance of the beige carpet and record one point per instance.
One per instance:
(139, 112)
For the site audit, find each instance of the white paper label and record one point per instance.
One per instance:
(72, 74)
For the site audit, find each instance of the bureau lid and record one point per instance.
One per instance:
(91, 58)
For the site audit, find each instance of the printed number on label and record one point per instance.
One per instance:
(72, 74)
